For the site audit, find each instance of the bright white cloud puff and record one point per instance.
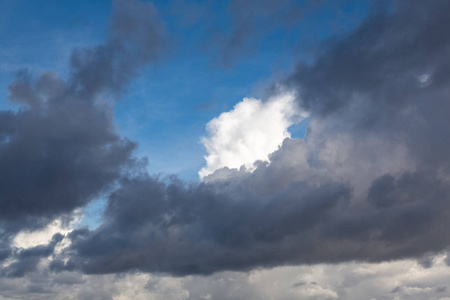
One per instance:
(249, 132)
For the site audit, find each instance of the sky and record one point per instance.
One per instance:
(234, 149)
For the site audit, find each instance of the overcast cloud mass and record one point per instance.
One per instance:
(357, 208)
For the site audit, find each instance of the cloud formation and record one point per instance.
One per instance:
(249, 132)
(61, 149)
(370, 182)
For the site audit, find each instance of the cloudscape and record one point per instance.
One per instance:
(225, 149)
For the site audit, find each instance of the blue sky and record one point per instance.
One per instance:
(166, 108)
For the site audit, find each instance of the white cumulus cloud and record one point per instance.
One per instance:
(249, 132)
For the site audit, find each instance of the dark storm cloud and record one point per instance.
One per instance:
(383, 60)
(57, 154)
(155, 226)
(370, 182)
(60, 149)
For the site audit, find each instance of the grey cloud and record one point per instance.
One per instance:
(56, 158)
(69, 278)
(28, 259)
(382, 61)
(154, 226)
(298, 284)
(61, 149)
(366, 89)
(351, 281)
(136, 37)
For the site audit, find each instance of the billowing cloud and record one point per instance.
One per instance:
(60, 149)
(249, 132)
(370, 182)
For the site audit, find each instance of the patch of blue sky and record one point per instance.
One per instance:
(93, 214)
(298, 131)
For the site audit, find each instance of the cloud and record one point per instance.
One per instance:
(370, 182)
(60, 149)
(198, 229)
(249, 132)
(27, 260)
(169, 227)
(29, 239)
(350, 281)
